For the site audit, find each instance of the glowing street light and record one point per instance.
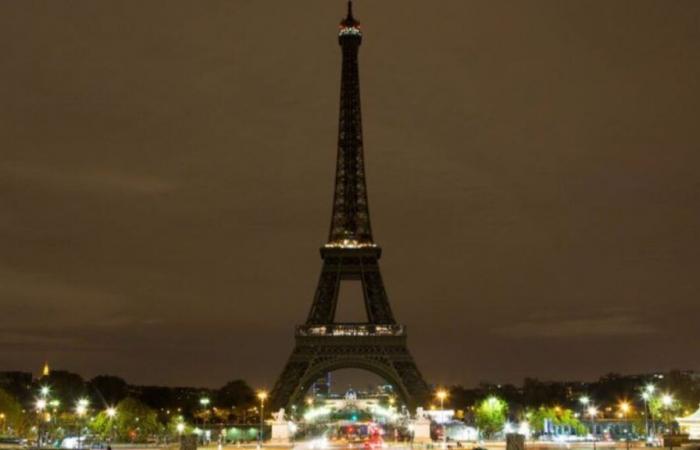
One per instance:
(81, 410)
(592, 413)
(262, 396)
(585, 400)
(111, 412)
(624, 409)
(441, 395)
(45, 391)
(667, 400)
(667, 403)
(647, 395)
(41, 404)
(180, 427)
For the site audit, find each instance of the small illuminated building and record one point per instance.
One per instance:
(690, 424)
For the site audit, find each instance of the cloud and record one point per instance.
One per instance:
(614, 323)
(86, 179)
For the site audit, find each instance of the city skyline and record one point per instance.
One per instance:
(530, 167)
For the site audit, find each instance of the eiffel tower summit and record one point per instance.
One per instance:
(322, 344)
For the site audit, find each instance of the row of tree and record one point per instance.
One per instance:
(609, 390)
(103, 391)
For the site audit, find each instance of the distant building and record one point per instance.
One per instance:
(46, 371)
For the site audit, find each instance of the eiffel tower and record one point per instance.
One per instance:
(322, 344)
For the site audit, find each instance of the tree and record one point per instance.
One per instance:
(12, 421)
(66, 386)
(108, 389)
(490, 415)
(235, 393)
(133, 421)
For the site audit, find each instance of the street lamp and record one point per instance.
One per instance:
(667, 403)
(584, 400)
(40, 407)
(592, 412)
(40, 404)
(180, 427)
(80, 410)
(262, 396)
(441, 395)
(204, 401)
(647, 395)
(111, 413)
(624, 409)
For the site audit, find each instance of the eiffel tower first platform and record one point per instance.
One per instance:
(322, 344)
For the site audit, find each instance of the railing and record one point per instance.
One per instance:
(350, 329)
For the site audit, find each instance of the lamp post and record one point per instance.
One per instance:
(584, 400)
(81, 410)
(40, 407)
(180, 427)
(111, 413)
(624, 409)
(442, 395)
(667, 402)
(204, 401)
(646, 396)
(262, 396)
(592, 412)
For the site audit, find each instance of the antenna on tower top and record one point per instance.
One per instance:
(349, 8)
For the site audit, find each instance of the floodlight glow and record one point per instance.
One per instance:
(40, 404)
(111, 412)
(584, 400)
(314, 413)
(667, 400)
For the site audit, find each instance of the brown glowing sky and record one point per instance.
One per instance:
(166, 172)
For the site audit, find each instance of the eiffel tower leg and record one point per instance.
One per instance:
(288, 383)
(326, 297)
(376, 301)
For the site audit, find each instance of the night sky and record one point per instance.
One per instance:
(166, 174)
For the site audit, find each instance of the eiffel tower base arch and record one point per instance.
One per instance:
(385, 356)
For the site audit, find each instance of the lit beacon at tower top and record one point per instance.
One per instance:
(350, 26)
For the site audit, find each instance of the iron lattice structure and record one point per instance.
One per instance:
(323, 345)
